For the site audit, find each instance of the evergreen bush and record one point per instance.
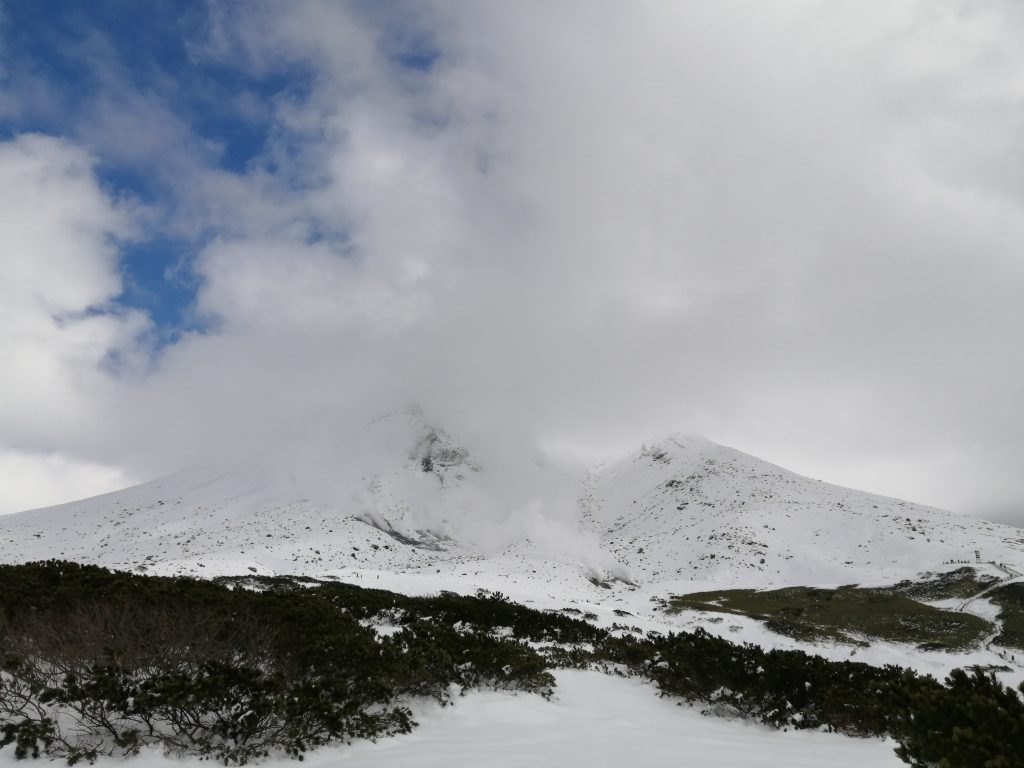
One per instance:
(94, 662)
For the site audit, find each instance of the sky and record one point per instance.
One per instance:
(794, 227)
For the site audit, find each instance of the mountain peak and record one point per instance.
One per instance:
(405, 494)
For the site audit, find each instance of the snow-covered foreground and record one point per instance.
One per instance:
(599, 720)
(594, 720)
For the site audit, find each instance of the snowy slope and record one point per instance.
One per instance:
(378, 509)
(686, 508)
(406, 497)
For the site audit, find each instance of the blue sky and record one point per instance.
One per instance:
(63, 57)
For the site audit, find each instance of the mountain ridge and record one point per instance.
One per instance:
(407, 496)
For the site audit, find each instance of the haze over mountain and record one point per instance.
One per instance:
(408, 497)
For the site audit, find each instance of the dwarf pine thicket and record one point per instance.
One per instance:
(98, 662)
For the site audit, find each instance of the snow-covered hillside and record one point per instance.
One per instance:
(688, 509)
(407, 497)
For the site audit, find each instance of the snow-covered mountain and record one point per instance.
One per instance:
(686, 508)
(406, 497)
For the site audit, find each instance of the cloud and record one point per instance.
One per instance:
(37, 480)
(60, 275)
(794, 228)
(783, 227)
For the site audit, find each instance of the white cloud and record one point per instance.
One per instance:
(783, 226)
(33, 480)
(60, 270)
(794, 227)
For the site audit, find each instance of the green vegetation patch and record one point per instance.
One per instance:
(1010, 599)
(962, 583)
(843, 614)
(94, 662)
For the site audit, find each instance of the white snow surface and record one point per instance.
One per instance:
(599, 720)
(682, 513)
(407, 507)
